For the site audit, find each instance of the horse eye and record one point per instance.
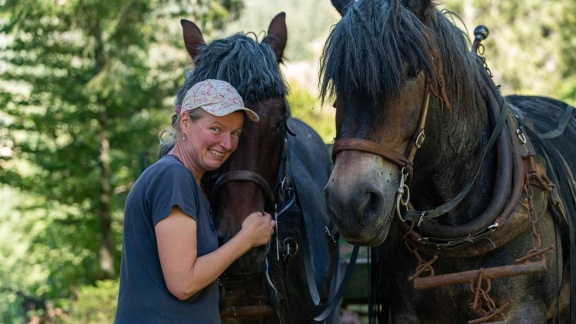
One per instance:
(412, 73)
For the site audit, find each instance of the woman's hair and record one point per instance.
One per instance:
(169, 137)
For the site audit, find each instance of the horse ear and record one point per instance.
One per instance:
(278, 35)
(193, 39)
(341, 5)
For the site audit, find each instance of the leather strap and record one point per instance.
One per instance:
(242, 175)
(387, 153)
(423, 216)
(312, 287)
(359, 144)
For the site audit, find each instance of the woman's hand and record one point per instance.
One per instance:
(259, 227)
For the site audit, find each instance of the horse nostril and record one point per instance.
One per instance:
(371, 207)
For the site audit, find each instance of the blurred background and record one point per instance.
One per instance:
(87, 85)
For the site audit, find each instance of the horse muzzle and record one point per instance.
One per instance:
(361, 207)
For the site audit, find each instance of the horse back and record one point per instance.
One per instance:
(309, 170)
(551, 125)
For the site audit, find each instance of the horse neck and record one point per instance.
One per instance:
(450, 158)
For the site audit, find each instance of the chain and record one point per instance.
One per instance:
(532, 217)
(423, 266)
(532, 175)
(483, 304)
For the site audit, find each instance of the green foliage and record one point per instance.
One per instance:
(304, 106)
(82, 83)
(531, 48)
(96, 304)
(86, 87)
(308, 24)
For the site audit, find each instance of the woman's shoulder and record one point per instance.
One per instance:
(167, 168)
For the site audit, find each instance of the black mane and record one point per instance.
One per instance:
(368, 50)
(246, 64)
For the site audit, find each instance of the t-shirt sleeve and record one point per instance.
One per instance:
(173, 186)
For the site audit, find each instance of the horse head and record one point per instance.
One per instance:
(384, 67)
(248, 181)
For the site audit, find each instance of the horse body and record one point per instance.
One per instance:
(415, 116)
(264, 174)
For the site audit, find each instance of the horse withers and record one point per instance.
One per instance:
(466, 196)
(281, 166)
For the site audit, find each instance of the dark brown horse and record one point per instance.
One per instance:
(467, 196)
(281, 166)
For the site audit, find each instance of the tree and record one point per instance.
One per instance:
(531, 48)
(86, 87)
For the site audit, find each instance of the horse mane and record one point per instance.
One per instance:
(368, 48)
(248, 65)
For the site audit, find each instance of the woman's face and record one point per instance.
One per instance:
(211, 139)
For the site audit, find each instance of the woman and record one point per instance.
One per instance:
(170, 255)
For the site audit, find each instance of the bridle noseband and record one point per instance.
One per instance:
(242, 175)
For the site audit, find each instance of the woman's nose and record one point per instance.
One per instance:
(227, 142)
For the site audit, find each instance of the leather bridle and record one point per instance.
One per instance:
(243, 175)
(406, 162)
(274, 197)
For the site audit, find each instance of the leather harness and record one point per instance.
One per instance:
(520, 197)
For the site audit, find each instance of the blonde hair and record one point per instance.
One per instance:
(169, 137)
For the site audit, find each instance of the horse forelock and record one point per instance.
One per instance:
(249, 66)
(366, 51)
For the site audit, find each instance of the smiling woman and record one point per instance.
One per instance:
(170, 255)
(218, 120)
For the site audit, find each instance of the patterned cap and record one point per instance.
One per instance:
(217, 97)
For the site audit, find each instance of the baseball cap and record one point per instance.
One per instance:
(217, 97)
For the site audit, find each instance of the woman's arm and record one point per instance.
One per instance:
(184, 272)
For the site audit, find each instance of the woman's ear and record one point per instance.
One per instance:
(184, 120)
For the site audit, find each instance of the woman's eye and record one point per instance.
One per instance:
(235, 134)
(216, 130)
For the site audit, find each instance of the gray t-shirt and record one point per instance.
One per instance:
(144, 297)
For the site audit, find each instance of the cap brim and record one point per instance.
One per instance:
(220, 109)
